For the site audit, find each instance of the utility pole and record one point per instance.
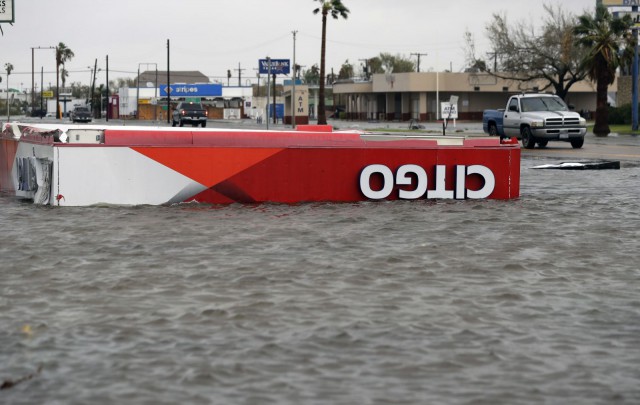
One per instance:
(268, 88)
(419, 55)
(168, 86)
(93, 86)
(634, 77)
(41, 89)
(108, 104)
(239, 74)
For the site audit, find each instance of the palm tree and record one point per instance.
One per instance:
(64, 73)
(8, 67)
(63, 54)
(337, 10)
(609, 43)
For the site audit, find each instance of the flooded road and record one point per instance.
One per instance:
(528, 301)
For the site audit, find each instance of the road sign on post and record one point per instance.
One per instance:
(449, 110)
(278, 66)
(7, 14)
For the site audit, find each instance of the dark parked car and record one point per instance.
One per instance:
(81, 114)
(38, 113)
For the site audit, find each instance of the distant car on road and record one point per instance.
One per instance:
(190, 113)
(81, 114)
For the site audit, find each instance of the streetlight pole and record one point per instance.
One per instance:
(168, 82)
(293, 93)
(33, 74)
(108, 108)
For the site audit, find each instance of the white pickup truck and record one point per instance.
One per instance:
(536, 118)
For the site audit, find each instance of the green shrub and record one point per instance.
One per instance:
(620, 115)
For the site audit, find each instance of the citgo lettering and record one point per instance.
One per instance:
(402, 177)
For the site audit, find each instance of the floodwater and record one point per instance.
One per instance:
(529, 301)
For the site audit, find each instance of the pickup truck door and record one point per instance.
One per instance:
(511, 118)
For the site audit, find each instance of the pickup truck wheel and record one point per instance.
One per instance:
(204, 124)
(543, 143)
(528, 140)
(493, 130)
(577, 143)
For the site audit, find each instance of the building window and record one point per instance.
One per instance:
(476, 88)
(505, 88)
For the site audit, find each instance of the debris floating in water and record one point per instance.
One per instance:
(6, 384)
(599, 165)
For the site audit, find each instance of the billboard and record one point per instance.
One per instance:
(7, 11)
(191, 90)
(278, 66)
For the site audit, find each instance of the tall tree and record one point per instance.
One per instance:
(396, 63)
(63, 54)
(9, 68)
(336, 9)
(346, 70)
(312, 75)
(609, 43)
(523, 54)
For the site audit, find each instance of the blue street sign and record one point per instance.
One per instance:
(278, 66)
(193, 90)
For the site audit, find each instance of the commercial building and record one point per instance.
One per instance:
(418, 96)
(149, 100)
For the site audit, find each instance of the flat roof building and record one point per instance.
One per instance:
(417, 95)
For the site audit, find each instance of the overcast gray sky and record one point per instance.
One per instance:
(215, 35)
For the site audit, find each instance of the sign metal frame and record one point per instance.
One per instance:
(7, 11)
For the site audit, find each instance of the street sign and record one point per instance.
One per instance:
(278, 66)
(7, 11)
(47, 93)
(192, 90)
(449, 110)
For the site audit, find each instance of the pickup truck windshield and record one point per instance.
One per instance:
(543, 104)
